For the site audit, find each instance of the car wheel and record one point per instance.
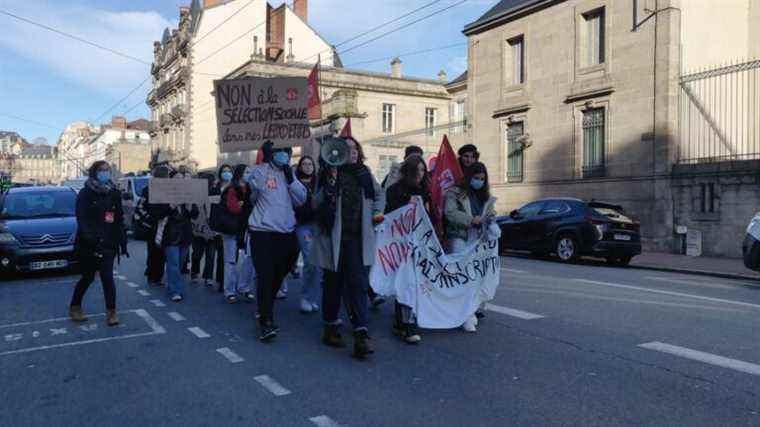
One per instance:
(567, 248)
(619, 261)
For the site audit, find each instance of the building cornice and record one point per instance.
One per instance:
(497, 20)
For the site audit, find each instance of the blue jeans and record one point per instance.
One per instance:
(174, 256)
(238, 269)
(312, 275)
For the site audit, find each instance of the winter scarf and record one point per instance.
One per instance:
(95, 185)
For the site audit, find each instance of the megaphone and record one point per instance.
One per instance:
(335, 151)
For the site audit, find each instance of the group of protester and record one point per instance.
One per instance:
(266, 216)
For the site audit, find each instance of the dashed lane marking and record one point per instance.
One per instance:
(512, 270)
(700, 356)
(157, 303)
(513, 312)
(133, 285)
(120, 277)
(176, 316)
(230, 355)
(692, 283)
(273, 386)
(143, 292)
(324, 421)
(677, 294)
(198, 332)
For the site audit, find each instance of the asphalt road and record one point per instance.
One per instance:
(562, 344)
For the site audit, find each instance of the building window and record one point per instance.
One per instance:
(389, 112)
(516, 46)
(430, 120)
(594, 22)
(515, 152)
(593, 142)
(385, 164)
(707, 198)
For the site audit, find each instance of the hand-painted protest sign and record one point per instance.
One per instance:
(178, 191)
(442, 289)
(250, 111)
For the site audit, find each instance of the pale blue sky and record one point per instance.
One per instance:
(53, 80)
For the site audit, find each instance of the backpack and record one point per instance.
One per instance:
(221, 219)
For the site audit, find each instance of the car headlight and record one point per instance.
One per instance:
(7, 238)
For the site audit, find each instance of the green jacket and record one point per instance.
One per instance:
(458, 215)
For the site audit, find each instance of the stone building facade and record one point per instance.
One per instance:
(583, 98)
(213, 38)
(37, 164)
(128, 156)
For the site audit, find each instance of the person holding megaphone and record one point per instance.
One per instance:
(349, 205)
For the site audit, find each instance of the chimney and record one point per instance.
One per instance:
(255, 47)
(211, 3)
(442, 77)
(301, 9)
(118, 122)
(396, 68)
(290, 57)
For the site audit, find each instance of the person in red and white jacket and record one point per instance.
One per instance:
(238, 268)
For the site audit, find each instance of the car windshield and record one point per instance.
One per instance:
(140, 185)
(38, 205)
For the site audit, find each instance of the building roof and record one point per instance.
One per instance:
(37, 150)
(462, 79)
(502, 9)
(139, 124)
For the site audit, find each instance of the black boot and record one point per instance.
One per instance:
(362, 345)
(331, 336)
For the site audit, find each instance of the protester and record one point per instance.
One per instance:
(394, 175)
(184, 173)
(468, 155)
(414, 182)
(349, 206)
(274, 247)
(467, 210)
(224, 177)
(145, 226)
(306, 220)
(238, 268)
(174, 235)
(204, 247)
(100, 238)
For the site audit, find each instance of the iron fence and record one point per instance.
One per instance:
(720, 114)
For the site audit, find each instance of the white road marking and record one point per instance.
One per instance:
(677, 294)
(324, 421)
(156, 330)
(230, 355)
(143, 292)
(176, 316)
(273, 386)
(157, 303)
(133, 285)
(513, 312)
(198, 332)
(510, 270)
(35, 334)
(13, 337)
(58, 331)
(700, 356)
(691, 282)
(120, 277)
(542, 290)
(89, 328)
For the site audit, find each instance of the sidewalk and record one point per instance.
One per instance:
(731, 268)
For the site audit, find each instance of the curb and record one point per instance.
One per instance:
(733, 276)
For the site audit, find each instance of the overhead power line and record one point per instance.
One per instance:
(34, 122)
(114, 106)
(406, 54)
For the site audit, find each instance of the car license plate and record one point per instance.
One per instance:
(622, 237)
(44, 265)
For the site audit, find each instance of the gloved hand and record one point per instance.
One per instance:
(288, 171)
(378, 218)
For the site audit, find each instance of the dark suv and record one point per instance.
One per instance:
(37, 229)
(571, 228)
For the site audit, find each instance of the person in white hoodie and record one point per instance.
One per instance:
(275, 193)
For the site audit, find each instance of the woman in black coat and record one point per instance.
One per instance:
(414, 182)
(101, 237)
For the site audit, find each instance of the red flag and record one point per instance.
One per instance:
(259, 156)
(447, 174)
(314, 104)
(346, 132)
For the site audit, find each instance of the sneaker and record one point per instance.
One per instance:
(410, 335)
(231, 299)
(480, 314)
(177, 298)
(249, 297)
(194, 278)
(267, 331)
(314, 307)
(470, 324)
(209, 283)
(377, 301)
(306, 306)
(281, 294)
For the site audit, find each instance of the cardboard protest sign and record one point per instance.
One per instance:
(178, 191)
(442, 289)
(250, 111)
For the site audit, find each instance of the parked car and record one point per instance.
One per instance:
(571, 228)
(37, 229)
(77, 183)
(751, 245)
(131, 190)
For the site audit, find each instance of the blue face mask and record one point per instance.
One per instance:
(226, 176)
(246, 175)
(477, 184)
(281, 158)
(104, 176)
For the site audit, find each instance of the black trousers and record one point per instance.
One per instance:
(155, 261)
(90, 266)
(203, 250)
(273, 255)
(349, 284)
